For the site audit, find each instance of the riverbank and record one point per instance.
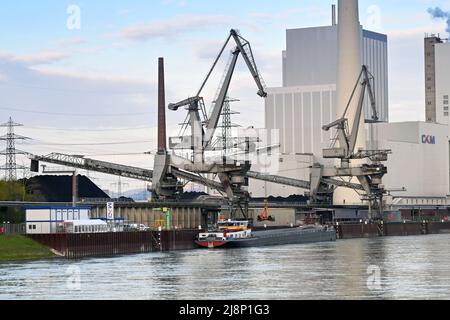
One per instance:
(21, 248)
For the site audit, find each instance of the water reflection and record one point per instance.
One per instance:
(405, 267)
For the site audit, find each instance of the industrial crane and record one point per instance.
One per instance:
(203, 130)
(234, 175)
(369, 175)
(347, 140)
(231, 173)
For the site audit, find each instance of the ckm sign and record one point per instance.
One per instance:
(427, 139)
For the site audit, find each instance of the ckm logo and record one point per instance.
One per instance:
(427, 139)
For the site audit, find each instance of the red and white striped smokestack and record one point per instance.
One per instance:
(349, 69)
(162, 142)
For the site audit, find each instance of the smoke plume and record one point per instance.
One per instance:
(438, 13)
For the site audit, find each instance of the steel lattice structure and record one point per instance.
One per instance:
(10, 152)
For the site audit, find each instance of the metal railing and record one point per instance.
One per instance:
(10, 228)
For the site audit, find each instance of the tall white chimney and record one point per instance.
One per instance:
(349, 68)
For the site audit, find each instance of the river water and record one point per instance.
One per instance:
(382, 268)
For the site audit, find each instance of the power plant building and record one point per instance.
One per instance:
(307, 99)
(419, 161)
(418, 168)
(442, 82)
(311, 59)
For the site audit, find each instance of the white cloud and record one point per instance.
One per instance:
(41, 58)
(174, 26)
(270, 17)
(38, 58)
(70, 42)
(178, 3)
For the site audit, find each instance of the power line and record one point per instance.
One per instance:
(79, 114)
(16, 85)
(43, 143)
(91, 130)
(117, 154)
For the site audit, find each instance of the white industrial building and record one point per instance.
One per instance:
(419, 162)
(311, 59)
(47, 220)
(307, 100)
(442, 60)
(298, 114)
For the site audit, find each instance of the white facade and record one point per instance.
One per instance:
(442, 58)
(299, 113)
(86, 226)
(46, 220)
(311, 59)
(419, 160)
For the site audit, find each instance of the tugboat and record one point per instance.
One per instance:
(237, 234)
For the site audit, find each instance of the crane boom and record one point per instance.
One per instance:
(347, 142)
(241, 44)
(193, 104)
(250, 61)
(218, 106)
(365, 85)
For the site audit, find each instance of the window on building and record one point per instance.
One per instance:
(34, 227)
(446, 114)
(446, 102)
(446, 97)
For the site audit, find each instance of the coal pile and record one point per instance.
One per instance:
(291, 199)
(59, 188)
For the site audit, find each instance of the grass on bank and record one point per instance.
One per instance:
(20, 248)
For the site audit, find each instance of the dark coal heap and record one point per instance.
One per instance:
(59, 188)
(291, 199)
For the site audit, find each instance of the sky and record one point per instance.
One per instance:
(82, 75)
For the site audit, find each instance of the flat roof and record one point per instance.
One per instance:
(86, 222)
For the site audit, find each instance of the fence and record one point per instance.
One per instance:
(9, 228)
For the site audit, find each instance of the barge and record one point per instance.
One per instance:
(237, 234)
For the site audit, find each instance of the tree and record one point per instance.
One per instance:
(13, 191)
